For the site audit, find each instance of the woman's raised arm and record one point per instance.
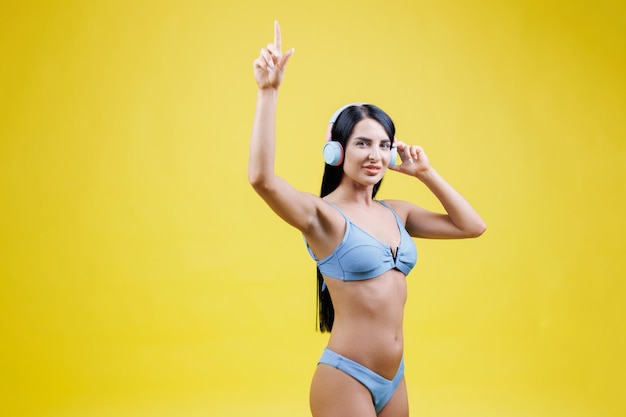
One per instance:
(296, 208)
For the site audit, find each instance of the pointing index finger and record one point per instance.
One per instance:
(277, 40)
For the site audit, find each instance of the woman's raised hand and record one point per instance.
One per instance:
(269, 67)
(414, 159)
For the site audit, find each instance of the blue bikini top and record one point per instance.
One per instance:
(361, 256)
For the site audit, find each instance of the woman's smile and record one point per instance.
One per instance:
(372, 169)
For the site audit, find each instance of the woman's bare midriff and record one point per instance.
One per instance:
(368, 321)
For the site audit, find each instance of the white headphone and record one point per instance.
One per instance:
(333, 151)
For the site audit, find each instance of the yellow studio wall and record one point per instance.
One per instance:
(141, 276)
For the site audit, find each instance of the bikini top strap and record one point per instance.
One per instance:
(389, 207)
(338, 209)
(348, 219)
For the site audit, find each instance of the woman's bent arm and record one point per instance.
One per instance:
(460, 219)
(461, 215)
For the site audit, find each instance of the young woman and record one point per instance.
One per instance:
(362, 246)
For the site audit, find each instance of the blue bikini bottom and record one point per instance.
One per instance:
(382, 389)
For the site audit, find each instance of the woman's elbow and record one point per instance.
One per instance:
(256, 175)
(257, 181)
(260, 183)
(254, 178)
(478, 229)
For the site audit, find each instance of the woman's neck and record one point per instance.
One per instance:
(352, 193)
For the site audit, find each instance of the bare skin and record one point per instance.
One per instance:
(368, 314)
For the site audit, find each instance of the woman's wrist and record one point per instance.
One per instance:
(426, 174)
(267, 91)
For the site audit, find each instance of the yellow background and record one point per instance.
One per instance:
(141, 275)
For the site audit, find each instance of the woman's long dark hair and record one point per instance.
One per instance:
(341, 131)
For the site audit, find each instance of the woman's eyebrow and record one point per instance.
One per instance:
(369, 139)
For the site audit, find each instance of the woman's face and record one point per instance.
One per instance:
(367, 153)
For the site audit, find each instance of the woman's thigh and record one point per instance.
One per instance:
(336, 394)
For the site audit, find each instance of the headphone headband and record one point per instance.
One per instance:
(335, 115)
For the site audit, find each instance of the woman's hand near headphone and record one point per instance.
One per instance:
(269, 67)
(414, 159)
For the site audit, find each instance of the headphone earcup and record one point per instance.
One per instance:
(333, 153)
(394, 157)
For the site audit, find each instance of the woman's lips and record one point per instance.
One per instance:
(372, 169)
